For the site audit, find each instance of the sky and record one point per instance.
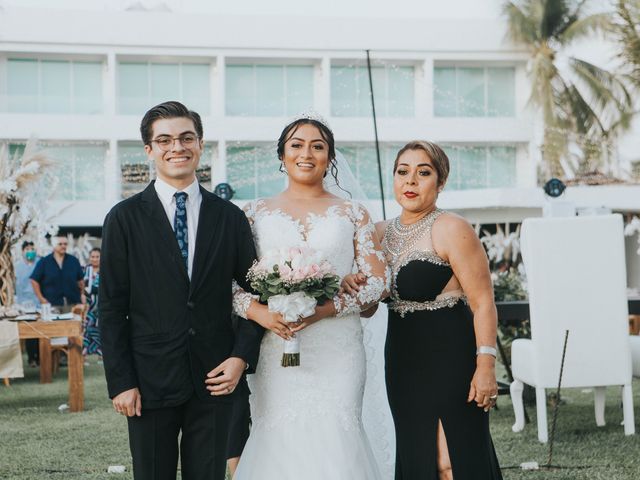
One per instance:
(331, 8)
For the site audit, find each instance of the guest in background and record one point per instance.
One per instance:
(58, 278)
(91, 343)
(25, 296)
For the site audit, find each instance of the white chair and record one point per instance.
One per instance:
(576, 281)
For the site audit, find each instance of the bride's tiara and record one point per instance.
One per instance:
(310, 115)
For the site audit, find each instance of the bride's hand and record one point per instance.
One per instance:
(272, 321)
(351, 283)
(327, 309)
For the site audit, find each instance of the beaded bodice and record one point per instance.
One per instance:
(418, 273)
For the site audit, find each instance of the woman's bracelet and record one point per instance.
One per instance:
(486, 350)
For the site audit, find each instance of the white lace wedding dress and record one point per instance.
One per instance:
(307, 420)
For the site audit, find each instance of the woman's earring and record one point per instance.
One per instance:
(282, 169)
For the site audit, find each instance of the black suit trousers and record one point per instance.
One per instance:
(153, 439)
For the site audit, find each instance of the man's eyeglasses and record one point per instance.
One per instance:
(165, 142)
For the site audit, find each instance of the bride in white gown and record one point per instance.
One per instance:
(307, 420)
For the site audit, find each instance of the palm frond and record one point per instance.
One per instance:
(605, 92)
(581, 28)
(624, 28)
(522, 26)
(586, 121)
(556, 16)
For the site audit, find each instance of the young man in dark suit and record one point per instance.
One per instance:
(169, 255)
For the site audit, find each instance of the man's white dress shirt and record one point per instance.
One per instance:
(194, 199)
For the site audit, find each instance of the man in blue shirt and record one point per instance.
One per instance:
(58, 277)
(25, 294)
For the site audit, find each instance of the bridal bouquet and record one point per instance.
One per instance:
(293, 281)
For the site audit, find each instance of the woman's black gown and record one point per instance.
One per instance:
(430, 359)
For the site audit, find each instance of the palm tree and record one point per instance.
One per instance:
(583, 106)
(625, 27)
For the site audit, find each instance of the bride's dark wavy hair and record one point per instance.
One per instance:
(325, 133)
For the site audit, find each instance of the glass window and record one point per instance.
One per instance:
(473, 167)
(79, 169)
(195, 86)
(135, 168)
(268, 90)
(56, 86)
(252, 172)
(471, 92)
(474, 92)
(164, 82)
(502, 167)
(444, 92)
(53, 86)
(501, 94)
(393, 89)
(87, 80)
(23, 83)
(141, 85)
(401, 92)
(364, 165)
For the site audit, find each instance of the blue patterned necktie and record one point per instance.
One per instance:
(180, 225)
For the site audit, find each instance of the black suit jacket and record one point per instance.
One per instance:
(161, 332)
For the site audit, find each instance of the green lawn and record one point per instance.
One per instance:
(37, 442)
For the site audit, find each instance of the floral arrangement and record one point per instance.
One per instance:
(509, 285)
(292, 281)
(503, 247)
(26, 183)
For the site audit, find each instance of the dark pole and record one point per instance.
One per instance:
(375, 130)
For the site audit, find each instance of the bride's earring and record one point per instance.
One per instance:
(282, 169)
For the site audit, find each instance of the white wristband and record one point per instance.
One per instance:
(484, 349)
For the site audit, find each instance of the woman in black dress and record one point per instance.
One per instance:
(440, 349)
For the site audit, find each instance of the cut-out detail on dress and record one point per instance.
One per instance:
(445, 299)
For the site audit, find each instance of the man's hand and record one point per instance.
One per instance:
(128, 403)
(224, 379)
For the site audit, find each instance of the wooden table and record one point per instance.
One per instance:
(44, 331)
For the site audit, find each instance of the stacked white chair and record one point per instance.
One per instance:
(576, 279)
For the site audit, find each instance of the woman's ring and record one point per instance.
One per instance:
(493, 397)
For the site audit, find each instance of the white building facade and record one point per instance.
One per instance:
(79, 78)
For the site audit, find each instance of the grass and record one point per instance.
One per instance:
(38, 442)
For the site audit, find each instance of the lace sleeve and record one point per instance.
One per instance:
(369, 260)
(241, 298)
